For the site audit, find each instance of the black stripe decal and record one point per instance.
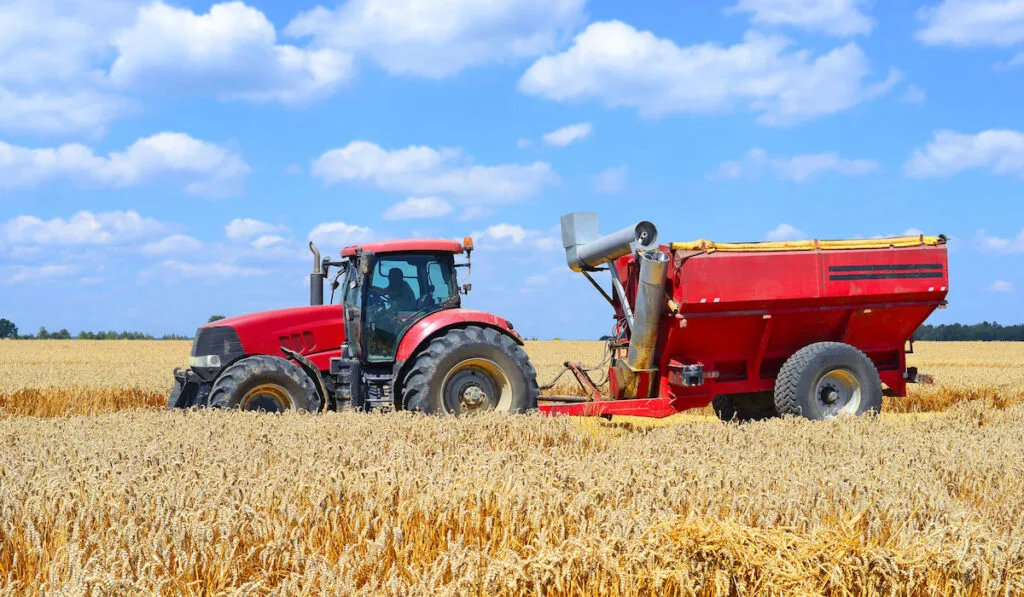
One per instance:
(887, 276)
(886, 268)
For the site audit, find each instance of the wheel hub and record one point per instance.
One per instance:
(838, 392)
(472, 396)
(475, 385)
(266, 397)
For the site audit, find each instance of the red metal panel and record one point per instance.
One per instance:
(656, 408)
(401, 246)
(305, 329)
(439, 320)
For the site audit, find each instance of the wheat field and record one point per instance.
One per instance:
(102, 492)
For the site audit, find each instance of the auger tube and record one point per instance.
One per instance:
(586, 249)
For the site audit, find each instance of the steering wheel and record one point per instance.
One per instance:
(376, 299)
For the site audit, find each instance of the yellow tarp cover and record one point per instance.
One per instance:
(813, 245)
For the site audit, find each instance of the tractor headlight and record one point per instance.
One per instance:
(209, 360)
(214, 348)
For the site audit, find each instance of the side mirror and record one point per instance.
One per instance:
(366, 262)
(466, 288)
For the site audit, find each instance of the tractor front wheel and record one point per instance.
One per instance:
(470, 370)
(265, 383)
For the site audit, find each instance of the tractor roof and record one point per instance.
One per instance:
(404, 246)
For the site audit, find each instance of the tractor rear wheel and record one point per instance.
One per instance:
(827, 380)
(469, 370)
(265, 383)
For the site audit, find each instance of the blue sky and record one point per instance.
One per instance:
(160, 162)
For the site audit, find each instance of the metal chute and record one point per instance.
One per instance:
(585, 248)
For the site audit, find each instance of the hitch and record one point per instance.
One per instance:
(912, 376)
(584, 379)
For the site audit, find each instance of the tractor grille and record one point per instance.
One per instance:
(219, 340)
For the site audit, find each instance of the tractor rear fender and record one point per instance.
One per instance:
(437, 323)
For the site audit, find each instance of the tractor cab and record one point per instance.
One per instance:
(389, 286)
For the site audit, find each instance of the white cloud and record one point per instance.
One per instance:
(231, 52)
(418, 208)
(208, 271)
(612, 180)
(612, 62)
(834, 17)
(997, 244)
(506, 236)
(206, 169)
(1017, 60)
(49, 41)
(514, 232)
(568, 134)
(48, 113)
(784, 232)
(176, 243)
(475, 212)
(913, 232)
(427, 171)
(950, 152)
(914, 95)
(523, 143)
(84, 228)
(24, 273)
(51, 76)
(246, 228)
(268, 240)
(799, 168)
(1001, 286)
(337, 235)
(972, 23)
(438, 38)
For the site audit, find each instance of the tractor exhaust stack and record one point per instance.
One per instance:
(316, 279)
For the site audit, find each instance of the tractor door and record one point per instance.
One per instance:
(403, 289)
(352, 303)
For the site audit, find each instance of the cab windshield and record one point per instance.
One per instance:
(402, 289)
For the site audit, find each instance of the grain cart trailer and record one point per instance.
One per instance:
(809, 328)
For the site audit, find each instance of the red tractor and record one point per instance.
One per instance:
(399, 339)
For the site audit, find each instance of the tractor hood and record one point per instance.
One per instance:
(306, 330)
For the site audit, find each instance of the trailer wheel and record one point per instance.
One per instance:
(265, 383)
(755, 406)
(724, 408)
(827, 380)
(469, 370)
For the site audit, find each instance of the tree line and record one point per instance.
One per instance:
(8, 330)
(984, 331)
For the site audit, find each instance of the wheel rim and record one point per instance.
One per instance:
(838, 393)
(266, 397)
(476, 385)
